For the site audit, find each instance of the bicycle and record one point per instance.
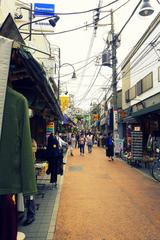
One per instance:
(155, 170)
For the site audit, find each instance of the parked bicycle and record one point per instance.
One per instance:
(155, 170)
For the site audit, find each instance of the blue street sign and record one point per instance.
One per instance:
(43, 9)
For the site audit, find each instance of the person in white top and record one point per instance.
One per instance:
(89, 142)
(72, 144)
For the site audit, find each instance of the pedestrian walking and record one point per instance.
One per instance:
(53, 153)
(82, 144)
(72, 143)
(89, 142)
(109, 147)
(77, 140)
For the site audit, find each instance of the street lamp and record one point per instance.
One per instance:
(73, 76)
(146, 9)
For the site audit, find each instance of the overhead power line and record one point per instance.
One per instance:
(129, 18)
(77, 28)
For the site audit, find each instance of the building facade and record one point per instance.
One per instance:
(141, 86)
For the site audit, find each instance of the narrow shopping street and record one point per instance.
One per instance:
(103, 200)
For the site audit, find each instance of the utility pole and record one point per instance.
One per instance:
(58, 92)
(59, 63)
(114, 79)
(109, 59)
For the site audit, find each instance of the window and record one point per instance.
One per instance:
(132, 93)
(139, 88)
(147, 82)
(127, 96)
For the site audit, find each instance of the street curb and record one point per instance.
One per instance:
(52, 226)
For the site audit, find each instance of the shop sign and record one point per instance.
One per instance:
(137, 129)
(64, 101)
(122, 114)
(118, 145)
(115, 119)
(75, 120)
(43, 9)
(50, 129)
(95, 117)
(110, 117)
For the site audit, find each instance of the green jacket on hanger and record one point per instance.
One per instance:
(16, 164)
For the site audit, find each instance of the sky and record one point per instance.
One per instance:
(83, 48)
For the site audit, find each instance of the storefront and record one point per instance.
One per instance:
(145, 117)
(27, 77)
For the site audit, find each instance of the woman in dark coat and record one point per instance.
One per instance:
(109, 147)
(53, 154)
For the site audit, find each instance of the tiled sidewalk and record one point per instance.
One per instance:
(40, 227)
(43, 226)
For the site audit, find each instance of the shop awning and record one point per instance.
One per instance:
(129, 119)
(29, 78)
(68, 120)
(27, 75)
(146, 110)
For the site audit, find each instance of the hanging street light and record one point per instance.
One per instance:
(73, 76)
(146, 9)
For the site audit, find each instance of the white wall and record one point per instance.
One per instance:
(37, 41)
(6, 7)
(146, 61)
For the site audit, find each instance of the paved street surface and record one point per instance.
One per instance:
(102, 200)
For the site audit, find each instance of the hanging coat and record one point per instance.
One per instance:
(17, 173)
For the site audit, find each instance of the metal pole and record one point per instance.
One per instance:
(59, 67)
(114, 80)
(30, 23)
(59, 63)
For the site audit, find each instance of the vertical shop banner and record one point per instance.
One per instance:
(110, 117)
(64, 100)
(118, 145)
(115, 119)
(5, 50)
(50, 129)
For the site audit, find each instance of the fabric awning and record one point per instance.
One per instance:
(146, 110)
(30, 79)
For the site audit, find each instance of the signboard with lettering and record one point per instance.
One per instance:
(118, 145)
(43, 9)
(49, 129)
(115, 119)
